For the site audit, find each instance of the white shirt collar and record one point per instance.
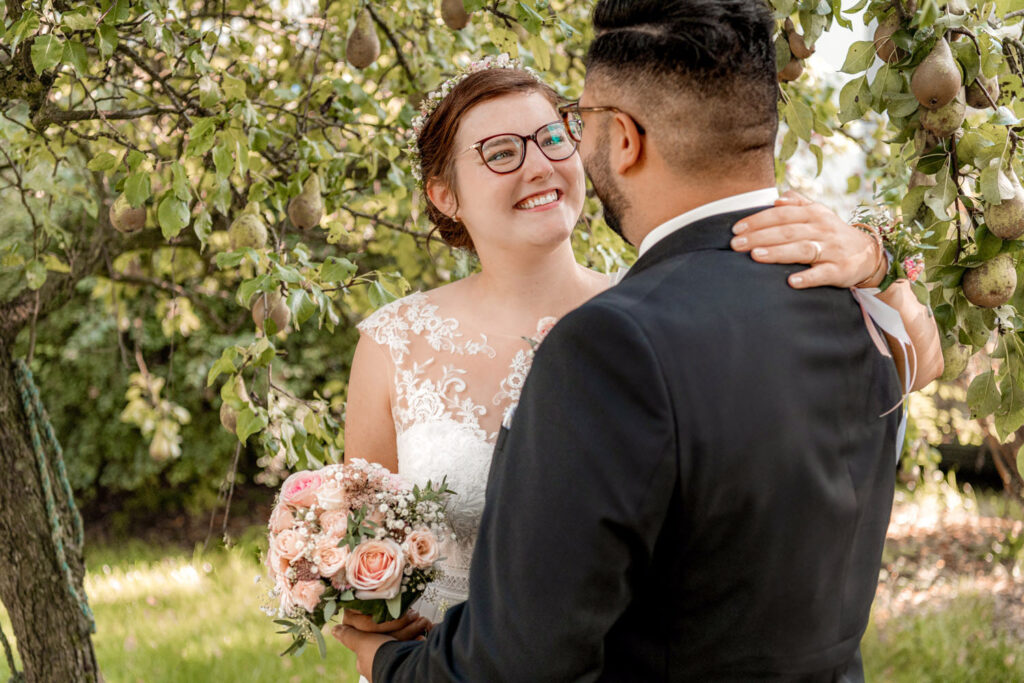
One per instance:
(737, 202)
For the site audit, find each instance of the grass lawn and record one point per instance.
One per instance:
(176, 618)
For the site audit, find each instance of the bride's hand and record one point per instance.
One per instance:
(789, 232)
(409, 626)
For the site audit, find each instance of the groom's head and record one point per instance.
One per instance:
(693, 88)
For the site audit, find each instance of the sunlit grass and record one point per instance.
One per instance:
(180, 618)
(960, 642)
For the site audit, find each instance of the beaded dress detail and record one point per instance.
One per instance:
(450, 390)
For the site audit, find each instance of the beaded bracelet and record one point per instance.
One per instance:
(883, 256)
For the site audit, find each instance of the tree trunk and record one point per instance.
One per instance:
(52, 633)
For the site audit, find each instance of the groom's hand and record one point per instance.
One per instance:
(359, 633)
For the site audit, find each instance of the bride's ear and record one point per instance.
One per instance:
(442, 197)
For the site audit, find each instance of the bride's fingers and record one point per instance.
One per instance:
(798, 252)
(817, 276)
(791, 197)
(776, 235)
(775, 216)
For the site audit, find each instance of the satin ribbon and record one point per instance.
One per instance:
(885, 317)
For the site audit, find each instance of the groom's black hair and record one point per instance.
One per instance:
(700, 71)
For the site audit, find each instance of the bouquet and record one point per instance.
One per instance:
(355, 536)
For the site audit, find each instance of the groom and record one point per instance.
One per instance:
(697, 482)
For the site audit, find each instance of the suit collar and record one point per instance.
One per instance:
(711, 233)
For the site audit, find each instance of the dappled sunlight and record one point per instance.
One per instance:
(170, 577)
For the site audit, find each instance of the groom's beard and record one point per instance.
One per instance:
(613, 202)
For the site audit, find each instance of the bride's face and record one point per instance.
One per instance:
(536, 205)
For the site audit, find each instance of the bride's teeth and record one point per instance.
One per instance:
(541, 200)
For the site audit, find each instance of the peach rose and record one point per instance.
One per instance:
(275, 563)
(330, 557)
(288, 544)
(299, 490)
(306, 594)
(375, 569)
(334, 523)
(331, 494)
(423, 550)
(281, 518)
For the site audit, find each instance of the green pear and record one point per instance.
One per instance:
(885, 48)
(248, 229)
(306, 209)
(454, 14)
(936, 80)
(992, 283)
(924, 141)
(976, 97)
(955, 357)
(228, 415)
(270, 306)
(125, 218)
(947, 119)
(797, 46)
(1005, 220)
(791, 71)
(363, 46)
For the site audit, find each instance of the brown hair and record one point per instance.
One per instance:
(436, 141)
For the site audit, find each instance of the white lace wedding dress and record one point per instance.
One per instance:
(450, 390)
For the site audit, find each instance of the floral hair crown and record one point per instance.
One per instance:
(432, 101)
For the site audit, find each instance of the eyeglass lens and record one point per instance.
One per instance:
(505, 153)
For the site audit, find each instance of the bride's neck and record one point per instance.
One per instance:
(535, 284)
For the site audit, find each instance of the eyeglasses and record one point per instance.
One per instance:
(572, 117)
(506, 152)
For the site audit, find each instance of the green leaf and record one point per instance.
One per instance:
(1020, 460)
(853, 99)
(203, 226)
(789, 145)
(173, 215)
(201, 136)
(247, 289)
(301, 306)
(379, 296)
(224, 364)
(541, 53)
(901, 105)
(287, 274)
(330, 607)
(76, 56)
(800, 119)
(223, 160)
(336, 269)
(1004, 116)
(136, 188)
(234, 88)
(395, 606)
(859, 57)
(77, 21)
(24, 27)
(35, 274)
(179, 182)
(106, 39)
(47, 51)
(249, 423)
(820, 156)
(104, 161)
(983, 395)
(229, 259)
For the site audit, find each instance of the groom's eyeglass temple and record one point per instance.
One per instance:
(572, 116)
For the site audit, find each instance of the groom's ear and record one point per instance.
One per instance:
(442, 196)
(626, 144)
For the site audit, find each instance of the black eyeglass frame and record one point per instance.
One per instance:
(479, 145)
(569, 108)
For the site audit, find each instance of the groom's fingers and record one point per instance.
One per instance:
(412, 631)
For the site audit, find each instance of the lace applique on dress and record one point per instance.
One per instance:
(449, 391)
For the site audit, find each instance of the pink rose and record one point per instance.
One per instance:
(281, 518)
(307, 594)
(375, 569)
(423, 550)
(275, 563)
(330, 557)
(334, 523)
(288, 544)
(331, 494)
(299, 490)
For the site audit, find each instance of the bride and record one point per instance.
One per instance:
(436, 373)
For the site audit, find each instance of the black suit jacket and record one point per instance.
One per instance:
(696, 487)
